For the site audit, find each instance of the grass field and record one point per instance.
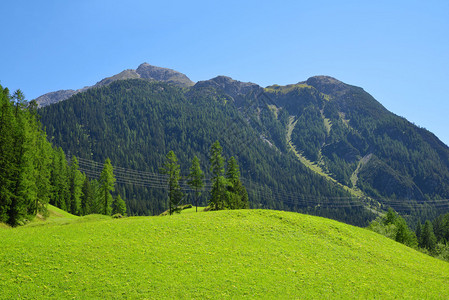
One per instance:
(226, 254)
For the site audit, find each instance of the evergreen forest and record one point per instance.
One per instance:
(321, 147)
(136, 123)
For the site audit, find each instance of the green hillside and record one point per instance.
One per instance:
(225, 254)
(136, 123)
(321, 146)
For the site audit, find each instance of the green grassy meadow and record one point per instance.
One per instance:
(225, 254)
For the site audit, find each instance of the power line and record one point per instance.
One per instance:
(159, 181)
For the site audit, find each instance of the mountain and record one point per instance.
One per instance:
(319, 146)
(147, 71)
(144, 71)
(54, 97)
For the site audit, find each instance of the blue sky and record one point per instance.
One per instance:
(398, 51)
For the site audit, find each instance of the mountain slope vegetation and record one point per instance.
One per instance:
(319, 146)
(246, 253)
(135, 123)
(338, 125)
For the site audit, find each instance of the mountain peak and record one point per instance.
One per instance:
(148, 71)
(327, 84)
(232, 87)
(144, 71)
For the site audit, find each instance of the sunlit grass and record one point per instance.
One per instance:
(235, 254)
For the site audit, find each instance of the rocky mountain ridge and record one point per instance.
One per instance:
(144, 71)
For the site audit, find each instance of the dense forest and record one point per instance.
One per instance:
(344, 129)
(33, 173)
(136, 123)
(25, 160)
(359, 154)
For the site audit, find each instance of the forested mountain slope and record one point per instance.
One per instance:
(363, 145)
(135, 123)
(319, 146)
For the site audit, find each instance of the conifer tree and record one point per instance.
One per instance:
(76, 180)
(87, 198)
(173, 170)
(28, 178)
(96, 202)
(219, 193)
(196, 177)
(22, 165)
(441, 228)
(107, 181)
(418, 232)
(238, 197)
(24, 160)
(118, 206)
(6, 154)
(428, 239)
(25, 171)
(59, 180)
(42, 162)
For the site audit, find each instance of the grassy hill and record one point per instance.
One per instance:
(226, 254)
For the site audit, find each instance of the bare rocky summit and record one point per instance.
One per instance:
(148, 71)
(144, 71)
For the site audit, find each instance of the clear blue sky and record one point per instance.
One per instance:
(398, 51)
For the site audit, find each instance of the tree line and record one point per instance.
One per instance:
(25, 160)
(227, 190)
(75, 193)
(33, 173)
(431, 238)
(136, 123)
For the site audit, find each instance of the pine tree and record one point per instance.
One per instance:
(173, 170)
(232, 170)
(76, 180)
(239, 196)
(196, 177)
(42, 162)
(118, 206)
(24, 160)
(419, 233)
(24, 187)
(59, 180)
(428, 239)
(441, 228)
(20, 189)
(6, 154)
(107, 181)
(96, 203)
(87, 198)
(219, 194)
